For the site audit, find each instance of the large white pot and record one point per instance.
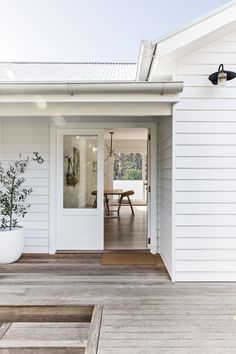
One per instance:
(11, 245)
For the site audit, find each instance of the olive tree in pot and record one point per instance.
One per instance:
(13, 206)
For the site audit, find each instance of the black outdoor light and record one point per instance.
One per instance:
(221, 76)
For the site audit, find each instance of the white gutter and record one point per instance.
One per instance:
(40, 88)
(146, 56)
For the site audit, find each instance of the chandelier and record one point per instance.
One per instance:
(110, 150)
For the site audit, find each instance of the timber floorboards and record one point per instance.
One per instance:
(127, 232)
(142, 311)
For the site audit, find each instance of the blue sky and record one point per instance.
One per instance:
(89, 30)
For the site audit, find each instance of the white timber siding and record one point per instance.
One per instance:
(164, 173)
(25, 136)
(205, 173)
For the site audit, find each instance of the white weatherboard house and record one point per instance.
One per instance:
(191, 151)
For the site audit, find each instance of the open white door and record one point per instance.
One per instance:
(148, 186)
(80, 172)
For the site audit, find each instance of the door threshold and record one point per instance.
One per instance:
(104, 251)
(127, 251)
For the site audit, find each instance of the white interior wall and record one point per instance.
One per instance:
(205, 160)
(164, 189)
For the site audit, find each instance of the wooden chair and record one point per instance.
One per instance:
(127, 201)
(106, 202)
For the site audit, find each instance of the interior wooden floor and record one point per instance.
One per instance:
(142, 311)
(127, 232)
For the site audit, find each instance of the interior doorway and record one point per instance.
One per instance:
(126, 182)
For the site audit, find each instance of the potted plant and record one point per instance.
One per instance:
(12, 206)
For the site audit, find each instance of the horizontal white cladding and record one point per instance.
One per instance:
(37, 182)
(206, 162)
(202, 70)
(12, 156)
(206, 255)
(198, 232)
(36, 173)
(35, 225)
(26, 149)
(206, 185)
(37, 233)
(209, 104)
(206, 266)
(213, 93)
(205, 174)
(206, 151)
(205, 197)
(38, 199)
(199, 116)
(206, 58)
(36, 216)
(205, 139)
(205, 168)
(36, 242)
(205, 243)
(205, 220)
(24, 136)
(40, 249)
(206, 127)
(206, 276)
(27, 139)
(205, 208)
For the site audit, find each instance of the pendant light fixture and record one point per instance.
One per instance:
(110, 150)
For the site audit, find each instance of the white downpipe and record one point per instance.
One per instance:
(147, 51)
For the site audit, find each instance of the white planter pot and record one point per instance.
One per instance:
(11, 245)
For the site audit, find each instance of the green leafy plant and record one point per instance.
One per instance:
(128, 166)
(12, 194)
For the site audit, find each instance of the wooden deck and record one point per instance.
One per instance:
(142, 311)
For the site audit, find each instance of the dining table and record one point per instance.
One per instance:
(107, 192)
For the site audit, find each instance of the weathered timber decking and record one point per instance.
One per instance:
(142, 311)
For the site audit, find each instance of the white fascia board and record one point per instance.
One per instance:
(196, 21)
(197, 31)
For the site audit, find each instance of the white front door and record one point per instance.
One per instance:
(80, 186)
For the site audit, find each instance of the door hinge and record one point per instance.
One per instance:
(149, 189)
(149, 241)
(149, 136)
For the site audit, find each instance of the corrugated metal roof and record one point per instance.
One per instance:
(65, 71)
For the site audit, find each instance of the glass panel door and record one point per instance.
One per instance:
(80, 189)
(80, 171)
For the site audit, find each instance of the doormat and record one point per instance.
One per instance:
(124, 258)
(49, 329)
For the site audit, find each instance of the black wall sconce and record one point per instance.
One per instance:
(221, 76)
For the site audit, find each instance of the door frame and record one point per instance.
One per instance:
(152, 207)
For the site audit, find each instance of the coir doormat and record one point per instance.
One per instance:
(128, 258)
